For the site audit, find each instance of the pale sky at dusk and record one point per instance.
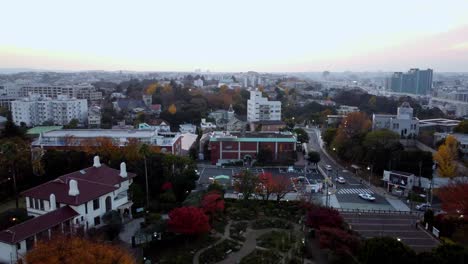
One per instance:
(241, 35)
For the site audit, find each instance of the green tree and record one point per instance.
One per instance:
(113, 222)
(247, 183)
(329, 136)
(462, 127)
(264, 155)
(72, 124)
(302, 135)
(11, 129)
(313, 157)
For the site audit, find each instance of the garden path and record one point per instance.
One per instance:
(224, 236)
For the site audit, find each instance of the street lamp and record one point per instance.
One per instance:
(370, 168)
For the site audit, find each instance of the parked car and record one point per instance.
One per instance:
(367, 197)
(290, 169)
(340, 180)
(328, 167)
(423, 207)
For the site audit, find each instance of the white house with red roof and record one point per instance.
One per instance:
(71, 202)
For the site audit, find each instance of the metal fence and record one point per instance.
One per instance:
(378, 211)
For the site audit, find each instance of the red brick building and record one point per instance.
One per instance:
(227, 147)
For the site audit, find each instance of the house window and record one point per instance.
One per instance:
(18, 246)
(97, 220)
(36, 203)
(86, 207)
(96, 204)
(31, 202)
(42, 204)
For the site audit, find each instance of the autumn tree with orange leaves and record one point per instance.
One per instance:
(446, 157)
(61, 250)
(348, 141)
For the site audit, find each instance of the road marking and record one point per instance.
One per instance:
(354, 191)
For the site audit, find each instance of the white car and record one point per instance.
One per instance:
(340, 180)
(367, 197)
(328, 167)
(290, 169)
(423, 207)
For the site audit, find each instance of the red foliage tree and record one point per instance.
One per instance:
(212, 203)
(338, 240)
(166, 186)
(188, 220)
(318, 217)
(454, 198)
(274, 185)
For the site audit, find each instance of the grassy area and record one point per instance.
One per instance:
(261, 257)
(219, 252)
(179, 250)
(238, 229)
(271, 223)
(277, 240)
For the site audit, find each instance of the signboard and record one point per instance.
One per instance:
(435, 231)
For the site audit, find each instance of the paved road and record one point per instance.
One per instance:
(398, 226)
(346, 194)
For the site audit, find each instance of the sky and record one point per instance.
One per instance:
(238, 36)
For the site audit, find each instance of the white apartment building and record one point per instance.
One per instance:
(35, 110)
(94, 117)
(84, 91)
(403, 123)
(346, 109)
(260, 109)
(198, 83)
(72, 202)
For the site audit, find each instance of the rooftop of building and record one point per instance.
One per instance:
(269, 122)
(92, 182)
(35, 225)
(439, 122)
(253, 136)
(462, 138)
(94, 133)
(401, 173)
(42, 129)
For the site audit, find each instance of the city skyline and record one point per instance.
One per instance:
(300, 36)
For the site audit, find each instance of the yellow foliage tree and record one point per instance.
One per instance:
(167, 89)
(446, 157)
(172, 109)
(151, 89)
(77, 250)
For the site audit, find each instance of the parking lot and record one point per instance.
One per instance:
(312, 176)
(398, 226)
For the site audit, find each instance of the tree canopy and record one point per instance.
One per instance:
(77, 250)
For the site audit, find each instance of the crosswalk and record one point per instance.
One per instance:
(354, 191)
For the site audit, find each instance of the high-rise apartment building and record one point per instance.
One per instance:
(87, 92)
(260, 109)
(36, 110)
(415, 81)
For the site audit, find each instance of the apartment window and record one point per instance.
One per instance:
(96, 204)
(97, 220)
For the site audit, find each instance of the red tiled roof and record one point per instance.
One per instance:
(92, 183)
(155, 107)
(35, 225)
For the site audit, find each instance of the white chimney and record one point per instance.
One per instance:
(73, 191)
(97, 162)
(123, 170)
(52, 206)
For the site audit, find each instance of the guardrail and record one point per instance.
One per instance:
(378, 211)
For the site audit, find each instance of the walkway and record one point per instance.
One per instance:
(129, 230)
(224, 236)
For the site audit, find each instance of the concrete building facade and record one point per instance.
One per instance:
(260, 109)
